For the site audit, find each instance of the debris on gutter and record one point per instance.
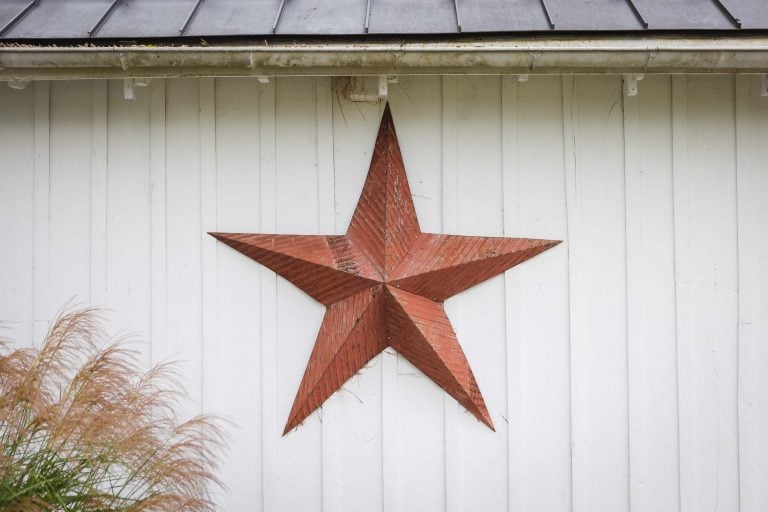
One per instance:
(516, 56)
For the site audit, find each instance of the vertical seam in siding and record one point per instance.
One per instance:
(679, 164)
(267, 171)
(42, 192)
(736, 146)
(158, 266)
(743, 171)
(511, 199)
(569, 152)
(98, 216)
(674, 282)
(330, 426)
(452, 427)
(506, 276)
(389, 445)
(209, 350)
(632, 102)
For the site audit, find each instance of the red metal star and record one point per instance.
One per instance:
(384, 284)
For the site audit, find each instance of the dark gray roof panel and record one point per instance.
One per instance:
(593, 15)
(327, 18)
(9, 9)
(60, 20)
(502, 15)
(413, 17)
(751, 13)
(233, 18)
(146, 18)
(683, 14)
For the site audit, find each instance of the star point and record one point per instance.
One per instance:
(384, 283)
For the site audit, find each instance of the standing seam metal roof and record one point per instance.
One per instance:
(147, 19)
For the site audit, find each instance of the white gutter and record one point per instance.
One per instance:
(515, 56)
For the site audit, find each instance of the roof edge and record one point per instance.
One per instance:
(492, 56)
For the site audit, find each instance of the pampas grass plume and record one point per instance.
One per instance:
(82, 428)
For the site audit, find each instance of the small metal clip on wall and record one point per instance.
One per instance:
(129, 85)
(630, 84)
(18, 84)
(382, 93)
(764, 86)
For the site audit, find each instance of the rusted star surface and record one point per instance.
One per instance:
(384, 283)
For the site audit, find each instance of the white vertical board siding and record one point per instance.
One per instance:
(98, 193)
(208, 246)
(238, 298)
(537, 339)
(70, 184)
(624, 369)
(651, 327)
(271, 427)
(596, 223)
(707, 290)
(299, 464)
(42, 209)
(450, 218)
(158, 250)
(752, 189)
(481, 459)
(128, 238)
(17, 214)
(183, 232)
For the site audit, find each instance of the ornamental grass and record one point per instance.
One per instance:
(82, 428)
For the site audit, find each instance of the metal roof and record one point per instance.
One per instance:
(147, 19)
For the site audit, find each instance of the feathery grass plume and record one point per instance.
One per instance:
(83, 429)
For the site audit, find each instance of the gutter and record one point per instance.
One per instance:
(515, 56)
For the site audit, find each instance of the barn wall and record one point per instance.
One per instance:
(625, 369)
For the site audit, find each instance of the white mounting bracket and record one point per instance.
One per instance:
(262, 79)
(764, 86)
(630, 84)
(522, 78)
(129, 85)
(383, 87)
(382, 93)
(18, 84)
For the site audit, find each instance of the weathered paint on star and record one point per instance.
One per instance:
(384, 283)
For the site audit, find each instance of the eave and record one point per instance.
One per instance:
(572, 55)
